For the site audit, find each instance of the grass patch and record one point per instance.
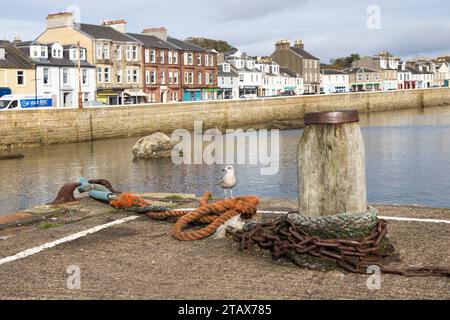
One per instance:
(48, 225)
(174, 197)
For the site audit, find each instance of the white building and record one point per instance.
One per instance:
(334, 81)
(443, 75)
(57, 72)
(228, 82)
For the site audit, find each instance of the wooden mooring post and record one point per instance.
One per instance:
(331, 165)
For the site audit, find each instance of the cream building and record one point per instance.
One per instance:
(117, 56)
(17, 72)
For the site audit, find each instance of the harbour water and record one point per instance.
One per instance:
(408, 162)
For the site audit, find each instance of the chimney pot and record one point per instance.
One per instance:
(60, 20)
(119, 25)
(283, 45)
(160, 33)
(299, 44)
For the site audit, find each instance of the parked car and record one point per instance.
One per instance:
(248, 96)
(288, 93)
(16, 101)
(5, 91)
(93, 104)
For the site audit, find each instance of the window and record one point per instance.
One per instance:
(84, 77)
(191, 77)
(99, 51)
(360, 78)
(129, 74)
(163, 77)
(211, 60)
(170, 57)
(162, 57)
(153, 56)
(128, 53)
(199, 78)
(175, 77)
(20, 78)
(107, 75)
(135, 76)
(186, 59)
(191, 59)
(135, 53)
(206, 78)
(119, 52)
(46, 76)
(119, 76)
(368, 77)
(186, 78)
(65, 76)
(199, 60)
(153, 77)
(86, 97)
(147, 56)
(147, 77)
(43, 52)
(206, 60)
(241, 78)
(175, 58)
(99, 75)
(82, 54)
(106, 51)
(170, 76)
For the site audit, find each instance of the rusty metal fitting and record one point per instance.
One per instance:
(337, 117)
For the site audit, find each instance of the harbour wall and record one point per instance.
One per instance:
(22, 128)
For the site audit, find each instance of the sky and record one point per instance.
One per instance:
(329, 28)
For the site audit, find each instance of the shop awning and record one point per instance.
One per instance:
(135, 93)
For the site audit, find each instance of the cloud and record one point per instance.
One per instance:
(330, 29)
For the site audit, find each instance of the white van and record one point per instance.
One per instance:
(15, 101)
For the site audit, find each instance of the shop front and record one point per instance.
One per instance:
(209, 94)
(248, 90)
(192, 95)
(109, 97)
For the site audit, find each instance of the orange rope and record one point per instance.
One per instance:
(212, 215)
(128, 200)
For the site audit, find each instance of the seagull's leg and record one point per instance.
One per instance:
(231, 190)
(226, 195)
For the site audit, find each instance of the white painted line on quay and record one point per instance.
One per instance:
(33, 251)
(415, 220)
(381, 217)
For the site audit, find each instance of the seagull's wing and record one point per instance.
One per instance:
(220, 181)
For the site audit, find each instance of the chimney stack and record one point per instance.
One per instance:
(160, 33)
(17, 40)
(60, 20)
(119, 25)
(283, 45)
(299, 44)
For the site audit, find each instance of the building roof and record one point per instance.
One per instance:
(303, 53)
(359, 70)
(104, 32)
(231, 73)
(14, 58)
(183, 45)
(64, 62)
(331, 72)
(152, 41)
(289, 72)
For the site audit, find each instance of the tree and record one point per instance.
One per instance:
(218, 45)
(345, 62)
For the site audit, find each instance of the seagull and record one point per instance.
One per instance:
(229, 181)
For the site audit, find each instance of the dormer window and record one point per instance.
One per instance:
(2, 54)
(226, 67)
(43, 52)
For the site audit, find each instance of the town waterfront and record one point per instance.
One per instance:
(408, 153)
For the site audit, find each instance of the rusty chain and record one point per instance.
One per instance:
(283, 238)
